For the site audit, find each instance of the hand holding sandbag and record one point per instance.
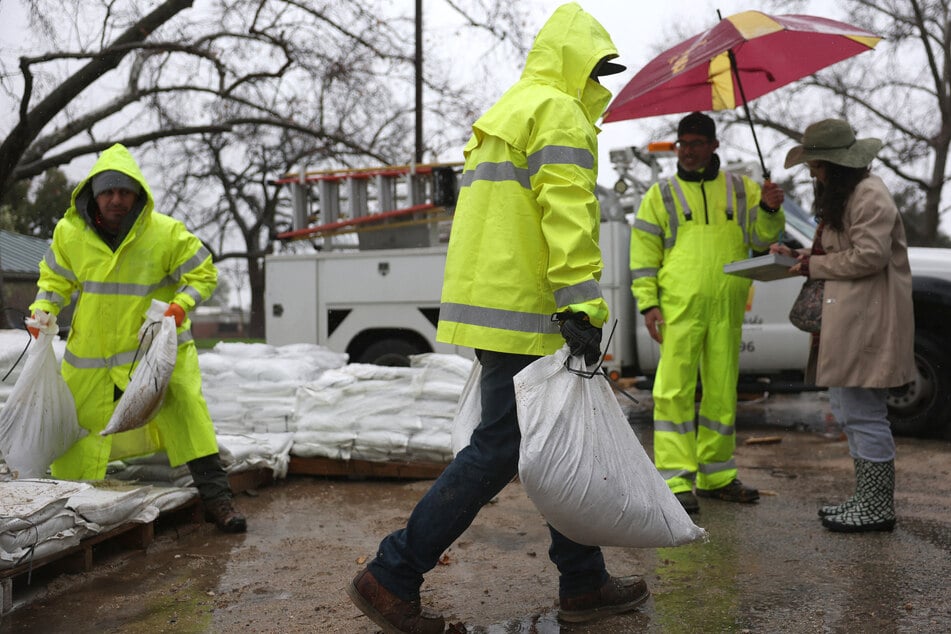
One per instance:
(153, 319)
(41, 321)
(583, 339)
(176, 311)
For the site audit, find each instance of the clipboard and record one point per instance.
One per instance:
(764, 268)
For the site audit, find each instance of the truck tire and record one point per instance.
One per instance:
(389, 352)
(922, 407)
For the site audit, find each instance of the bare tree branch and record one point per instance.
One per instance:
(33, 120)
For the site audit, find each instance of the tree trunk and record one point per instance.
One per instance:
(256, 277)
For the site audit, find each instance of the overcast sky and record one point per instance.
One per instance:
(640, 29)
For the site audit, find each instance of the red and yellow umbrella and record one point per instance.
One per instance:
(743, 57)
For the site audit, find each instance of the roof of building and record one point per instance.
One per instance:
(20, 253)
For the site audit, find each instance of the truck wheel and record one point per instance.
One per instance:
(922, 407)
(391, 352)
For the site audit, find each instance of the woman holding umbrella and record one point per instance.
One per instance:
(866, 343)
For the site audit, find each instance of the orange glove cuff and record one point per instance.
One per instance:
(176, 311)
(34, 331)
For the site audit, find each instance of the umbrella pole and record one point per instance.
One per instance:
(746, 108)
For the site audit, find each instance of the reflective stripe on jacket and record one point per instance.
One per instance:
(524, 240)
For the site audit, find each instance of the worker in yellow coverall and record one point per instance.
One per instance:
(686, 229)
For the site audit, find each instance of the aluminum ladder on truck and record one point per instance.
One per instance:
(410, 205)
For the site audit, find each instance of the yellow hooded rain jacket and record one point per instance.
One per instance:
(157, 258)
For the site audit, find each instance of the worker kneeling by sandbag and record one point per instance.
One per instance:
(584, 468)
(143, 397)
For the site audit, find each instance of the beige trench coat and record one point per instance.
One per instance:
(868, 326)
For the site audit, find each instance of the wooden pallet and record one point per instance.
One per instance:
(130, 536)
(365, 468)
(135, 536)
(82, 557)
(252, 479)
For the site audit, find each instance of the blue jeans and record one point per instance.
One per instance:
(863, 413)
(476, 475)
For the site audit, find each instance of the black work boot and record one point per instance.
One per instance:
(689, 501)
(211, 480)
(735, 491)
(226, 517)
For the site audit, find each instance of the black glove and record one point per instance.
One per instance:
(583, 339)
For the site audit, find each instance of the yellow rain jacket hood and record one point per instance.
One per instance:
(524, 240)
(153, 257)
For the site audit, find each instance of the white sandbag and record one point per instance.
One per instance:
(107, 504)
(57, 543)
(323, 444)
(145, 393)
(38, 422)
(583, 467)
(24, 503)
(169, 498)
(258, 451)
(433, 444)
(469, 410)
(452, 365)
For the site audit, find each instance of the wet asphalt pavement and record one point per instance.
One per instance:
(766, 567)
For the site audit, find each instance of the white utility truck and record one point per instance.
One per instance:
(369, 284)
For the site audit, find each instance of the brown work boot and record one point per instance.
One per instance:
(736, 491)
(619, 594)
(226, 517)
(387, 610)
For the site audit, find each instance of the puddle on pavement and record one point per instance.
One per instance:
(131, 603)
(546, 623)
(806, 411)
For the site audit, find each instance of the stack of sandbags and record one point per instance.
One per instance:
(369, 412)
(251, 388)
(35, 520)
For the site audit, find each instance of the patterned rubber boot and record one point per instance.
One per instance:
(838, 509)
(875, 510)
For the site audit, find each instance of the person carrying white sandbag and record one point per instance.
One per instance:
(120, 254)
(524, 245)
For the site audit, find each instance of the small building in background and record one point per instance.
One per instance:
(20, 257)
(218, 322)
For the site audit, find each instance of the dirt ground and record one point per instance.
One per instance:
(768, 567)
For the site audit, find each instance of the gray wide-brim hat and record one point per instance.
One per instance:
(834, 141)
